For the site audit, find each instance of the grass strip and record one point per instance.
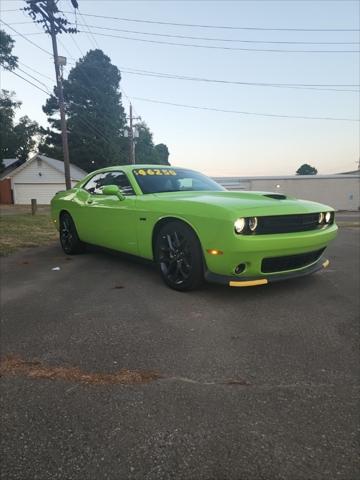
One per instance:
(25, 230)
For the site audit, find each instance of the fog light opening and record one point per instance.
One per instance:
(240, 268)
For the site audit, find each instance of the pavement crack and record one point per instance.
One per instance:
(230, 381)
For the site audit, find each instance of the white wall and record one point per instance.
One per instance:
(42, 192)
(31, 174)
(341, 192)
(37, 180)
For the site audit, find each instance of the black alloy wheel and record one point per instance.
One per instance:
(179, 256)
(69, 239)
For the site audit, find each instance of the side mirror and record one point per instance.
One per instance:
(113, 190)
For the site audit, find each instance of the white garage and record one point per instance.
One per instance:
(40, 178)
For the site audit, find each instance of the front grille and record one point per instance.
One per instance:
(291, 262)
(289, 223)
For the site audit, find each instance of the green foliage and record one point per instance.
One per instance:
(7, 113)
(146, 151)
(162, 154)
(7, 59)
(306, 169)
(7, 105)
(25, 132)
(17, 140)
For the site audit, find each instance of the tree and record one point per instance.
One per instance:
(306, 169)
(7, 59)
(17, 140)
(162, 154)
(26, 132)
(146, 151)
(95, 116)
(7, 114)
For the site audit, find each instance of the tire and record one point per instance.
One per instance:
(69, 239)
(179, 257)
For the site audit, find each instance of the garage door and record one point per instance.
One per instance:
(43, 192)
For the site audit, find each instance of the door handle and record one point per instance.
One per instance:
(89, 202)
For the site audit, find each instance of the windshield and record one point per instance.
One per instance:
(157, 180)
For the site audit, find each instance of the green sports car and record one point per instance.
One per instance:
(193, 228)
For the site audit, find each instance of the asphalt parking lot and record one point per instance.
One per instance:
(221, 384)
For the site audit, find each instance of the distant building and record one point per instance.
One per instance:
(40, 178)
(353, 172)
(341, 191)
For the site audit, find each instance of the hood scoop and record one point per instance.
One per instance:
(276, 196)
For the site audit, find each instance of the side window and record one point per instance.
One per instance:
(185, 183)
(95, 183)
(119, 179)
(98, 181)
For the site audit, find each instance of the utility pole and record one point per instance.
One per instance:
(132, 136)
(47, 9)
(61, 103)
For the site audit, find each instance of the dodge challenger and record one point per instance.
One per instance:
(193, 228)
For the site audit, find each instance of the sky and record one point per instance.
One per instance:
(219, 143)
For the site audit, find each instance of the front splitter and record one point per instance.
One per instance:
(233, 281)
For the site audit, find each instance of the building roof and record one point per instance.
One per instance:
(10, 164)
(76, 173)
(353, 172)
(9, 161)
(288, 177)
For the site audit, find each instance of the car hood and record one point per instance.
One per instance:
(261, 203)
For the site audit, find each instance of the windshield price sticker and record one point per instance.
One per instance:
(154, 171)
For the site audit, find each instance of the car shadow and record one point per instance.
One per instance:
(148, 270)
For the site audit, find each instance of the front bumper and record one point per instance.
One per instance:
(232, 281)
(253, 249)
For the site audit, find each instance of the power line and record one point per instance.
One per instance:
(90, 34)
(66, 49)
(148, 73)
(228, 27)
(218, 47)
(35, 71)
(196, 107)
(34, 78)
(212, 39)
(300, 86)
(215, 109)
(84, 74)
(28, 81)
(88, 124)
(92, 127)
(28, 34)
(22, 23)
(25, 38)
(72, 36)
(78, 47)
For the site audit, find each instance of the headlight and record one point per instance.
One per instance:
(327, 217)
(252, 222)
(239, 225)
(321, 218)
